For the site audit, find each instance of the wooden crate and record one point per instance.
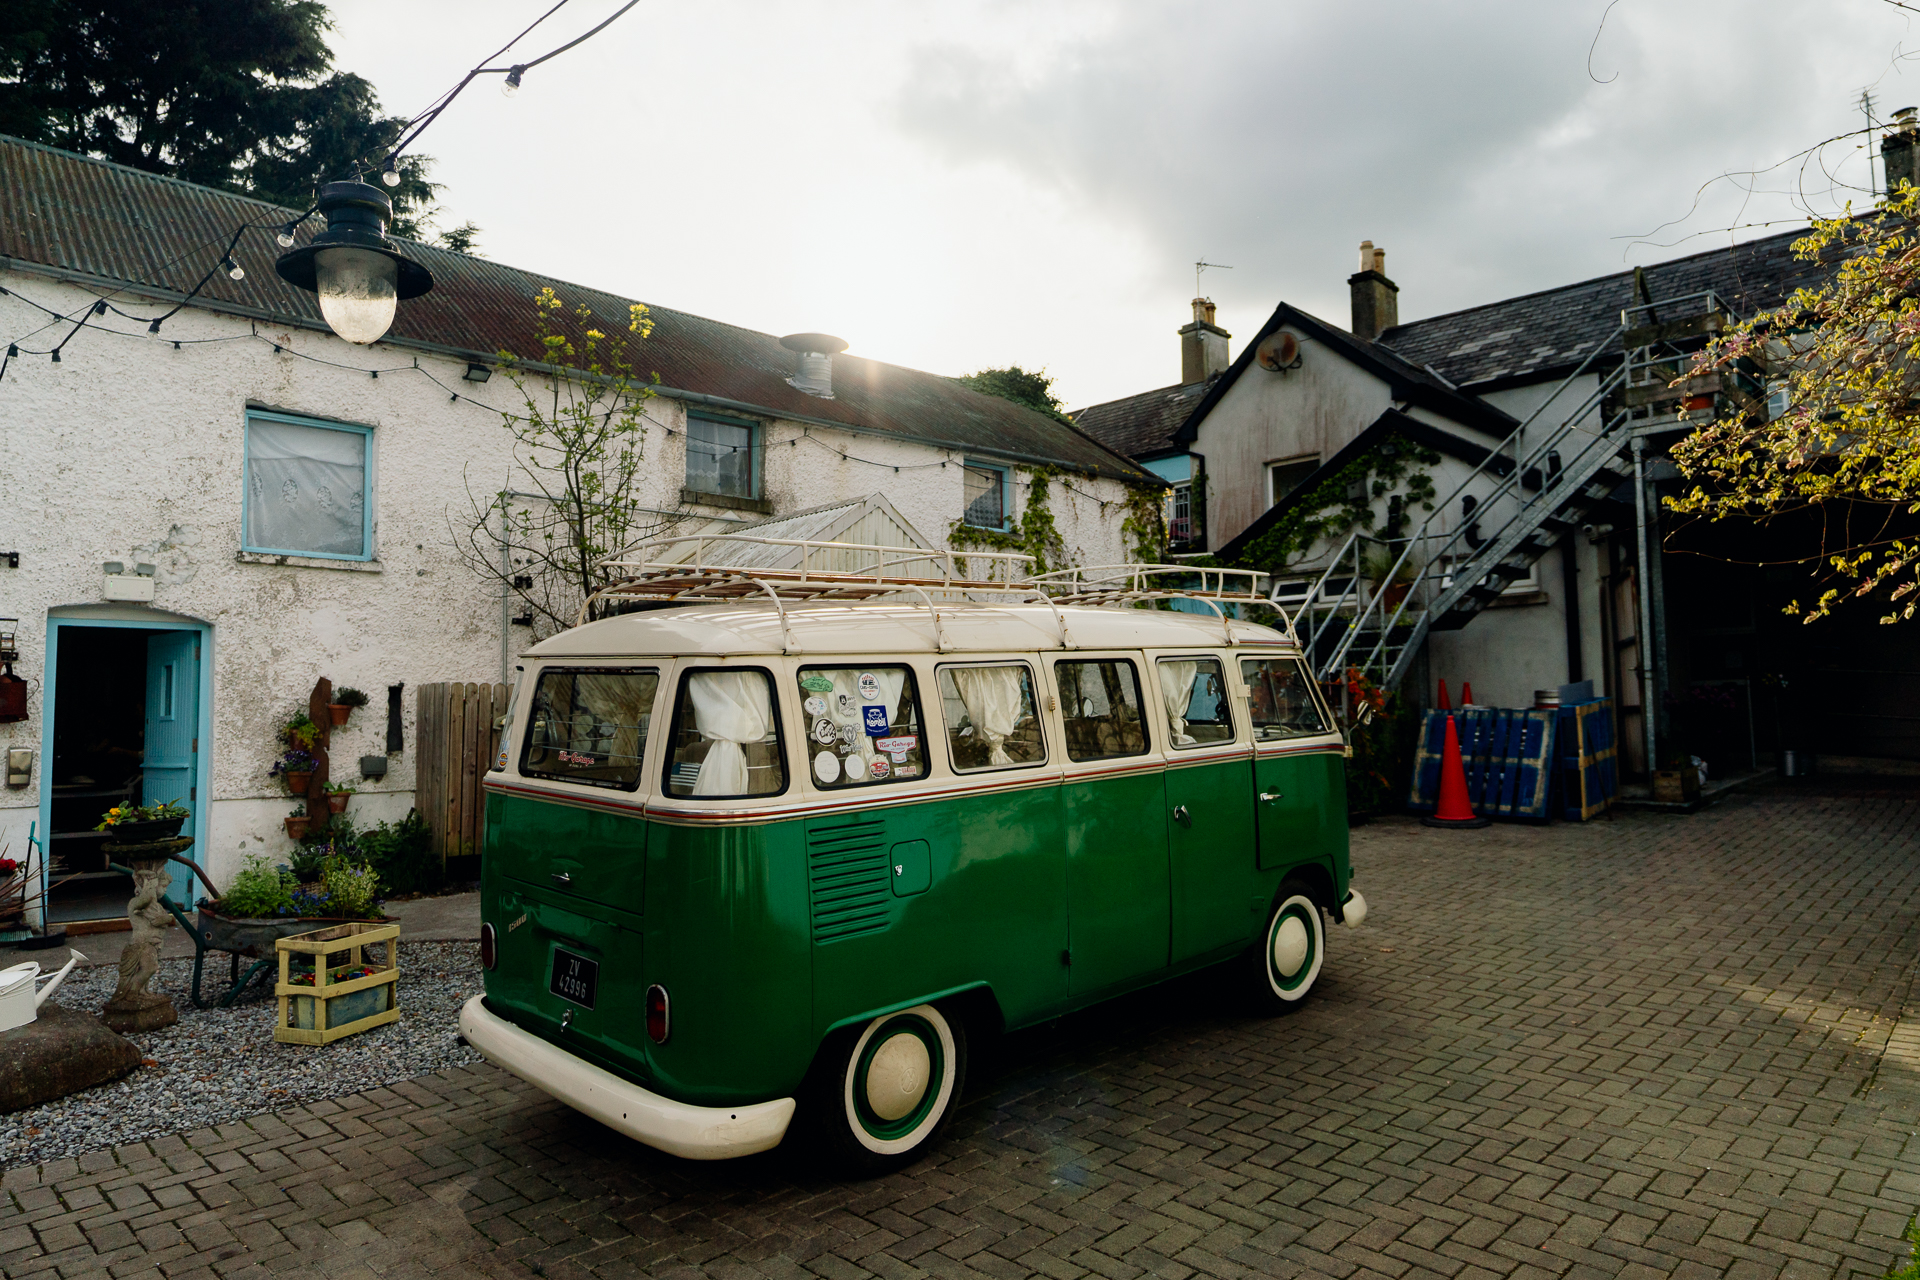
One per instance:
(327, 1010)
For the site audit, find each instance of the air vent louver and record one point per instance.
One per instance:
(847, 875)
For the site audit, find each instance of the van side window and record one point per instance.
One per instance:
(863, 725)
(990, 716)
(589, 725)
(1282, 701)
(1195, 693)
(726, 737)
(1100, 702)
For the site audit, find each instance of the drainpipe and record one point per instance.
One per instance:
(506, 592)
(1649, 674)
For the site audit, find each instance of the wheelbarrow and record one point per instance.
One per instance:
(252, 939)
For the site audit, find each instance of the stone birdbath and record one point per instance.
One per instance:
(133, 1007)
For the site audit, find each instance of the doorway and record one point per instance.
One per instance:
(123, 716)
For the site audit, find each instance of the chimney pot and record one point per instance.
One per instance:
(1203, 345)
(1898, 150)
(1376, 300)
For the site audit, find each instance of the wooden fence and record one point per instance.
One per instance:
(457, 727)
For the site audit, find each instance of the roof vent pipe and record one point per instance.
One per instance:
(816, 351)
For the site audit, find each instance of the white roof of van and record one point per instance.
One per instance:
(829, 627)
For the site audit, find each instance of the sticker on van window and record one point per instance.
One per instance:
(825, 731)
(826, 767)
(845, 702)
(879, 768)
(898, 757)
(877, 725)
(856, 769)
(906, 742)
(816, 684)
(816, 705)
(847, 735)
(907, 771)
(869, 686)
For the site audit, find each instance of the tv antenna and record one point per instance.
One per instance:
(1199, 267)
(1866, 106)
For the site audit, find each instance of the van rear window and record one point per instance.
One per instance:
(1281, 700)
(726, 737)
(589, 725)
(863, 725)
(991, 721)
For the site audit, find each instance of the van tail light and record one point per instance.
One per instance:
(657, 1023)
(489, 956)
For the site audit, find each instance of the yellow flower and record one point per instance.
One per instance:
(115, 812)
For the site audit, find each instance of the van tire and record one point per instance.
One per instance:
(866, 1124)
(1286, 964)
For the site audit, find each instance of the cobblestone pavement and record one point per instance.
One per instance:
(1648, 1047)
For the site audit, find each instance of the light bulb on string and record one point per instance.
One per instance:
(512, 85)
(285, 238)
(234, 269)
(391, 175)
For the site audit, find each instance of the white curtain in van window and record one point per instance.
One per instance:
(730, 709)
(993, 700)
(1176, 687)
(306, 489)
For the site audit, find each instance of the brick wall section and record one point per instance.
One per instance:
(1653, 1047)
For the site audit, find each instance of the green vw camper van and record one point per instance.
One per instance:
(768, 862)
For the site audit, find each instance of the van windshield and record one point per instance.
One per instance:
(1281, 699)
(589, 725)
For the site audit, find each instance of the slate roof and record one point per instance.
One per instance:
(1541, 335)
(121, 229)
(1142, 426)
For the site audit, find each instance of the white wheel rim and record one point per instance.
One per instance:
(943, 1096)
(1297, 922)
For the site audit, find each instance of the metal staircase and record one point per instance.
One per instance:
(1523, 498)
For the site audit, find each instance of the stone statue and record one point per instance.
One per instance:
(133, 1007)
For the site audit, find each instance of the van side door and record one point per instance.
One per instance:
(1299, 766)
(1114, 819)
(1210, 808)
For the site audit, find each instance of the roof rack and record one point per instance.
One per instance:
(741, 568)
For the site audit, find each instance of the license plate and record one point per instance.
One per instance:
(575, 978)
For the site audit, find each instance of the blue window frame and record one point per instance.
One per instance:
(307, 487)
(723, 455)
(988, 496)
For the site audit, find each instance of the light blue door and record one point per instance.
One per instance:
(171, 763)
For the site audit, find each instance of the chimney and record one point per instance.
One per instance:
(1376, 300)
(816, 351)
(1203, 345)
(1900, 149)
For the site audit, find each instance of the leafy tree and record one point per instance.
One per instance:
(1847, 354)
(237, 94)
(1034, 390)
(570, 498)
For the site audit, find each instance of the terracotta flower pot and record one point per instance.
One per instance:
(337, 801)
(339, 712)
(298, 782)
(297, 827)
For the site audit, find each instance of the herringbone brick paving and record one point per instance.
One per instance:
(1657, 1046)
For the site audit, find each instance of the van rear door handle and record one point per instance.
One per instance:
(1181, 816)
(563, 877)
(1268, 797)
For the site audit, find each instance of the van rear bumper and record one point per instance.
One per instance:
(695, 1133)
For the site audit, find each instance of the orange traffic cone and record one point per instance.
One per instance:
(1466, 693)
(1444, 704)
(1453, 809)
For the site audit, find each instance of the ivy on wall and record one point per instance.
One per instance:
(1033, 534)
(1344, 501)
(1145, 526)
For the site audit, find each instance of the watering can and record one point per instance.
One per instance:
(18, 999)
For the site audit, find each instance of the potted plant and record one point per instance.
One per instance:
(338, 794)
(296, 823)
(138, 824)
(1377, 566)
(300, 731)
(296, 766)
(345, 699)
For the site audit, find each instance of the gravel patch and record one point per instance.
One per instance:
(216, 1066)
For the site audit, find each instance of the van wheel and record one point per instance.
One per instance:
(1287, 962)
(885, 1096)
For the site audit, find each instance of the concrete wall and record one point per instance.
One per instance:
(131, 449)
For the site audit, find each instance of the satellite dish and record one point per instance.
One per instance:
(1279, 353)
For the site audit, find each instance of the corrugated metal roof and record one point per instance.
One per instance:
(74, 214)
(1142, 425)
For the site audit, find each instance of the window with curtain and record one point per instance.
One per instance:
(590, 725)
(1195, 693)
(863, 725)
(307, 490)
(1282, 703)
(1100, 703)
(985, 496)
(726, 739)
(990, 718)
(723, 457)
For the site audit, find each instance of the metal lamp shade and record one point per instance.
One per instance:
(357, 272)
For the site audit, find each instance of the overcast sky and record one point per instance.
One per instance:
(955, 185)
